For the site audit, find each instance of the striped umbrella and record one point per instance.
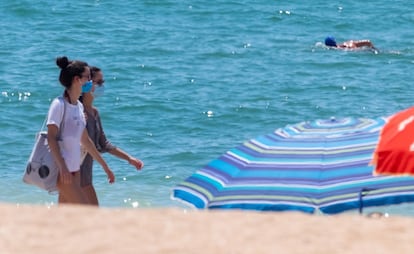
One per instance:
(318, 165)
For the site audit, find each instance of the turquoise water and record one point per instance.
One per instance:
(188, 80)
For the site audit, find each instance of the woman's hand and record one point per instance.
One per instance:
(65, 176)
(137, 163)
(110, 174)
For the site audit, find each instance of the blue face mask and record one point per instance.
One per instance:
(86, 88)
(99, 91)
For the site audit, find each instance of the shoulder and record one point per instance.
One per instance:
(57, 102)
(348, 44)
(56, 111)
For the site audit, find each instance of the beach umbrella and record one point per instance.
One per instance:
(317, 165)
(394, 154)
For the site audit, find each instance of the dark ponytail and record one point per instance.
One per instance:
(69, 70)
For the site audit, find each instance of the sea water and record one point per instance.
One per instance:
(188, 80)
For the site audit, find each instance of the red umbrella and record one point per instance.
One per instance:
(394, 154)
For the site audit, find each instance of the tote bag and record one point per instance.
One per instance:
(41, 169)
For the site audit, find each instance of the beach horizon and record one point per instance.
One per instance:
(83, 229)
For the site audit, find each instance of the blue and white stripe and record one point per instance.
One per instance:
(322, 165)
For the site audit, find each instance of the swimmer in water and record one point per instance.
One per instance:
(351, 44)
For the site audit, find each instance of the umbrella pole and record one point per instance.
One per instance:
(362, 193)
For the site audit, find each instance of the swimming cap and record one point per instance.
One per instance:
(330, 41)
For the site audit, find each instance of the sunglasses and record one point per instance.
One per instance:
(100, 82)
(86, 76)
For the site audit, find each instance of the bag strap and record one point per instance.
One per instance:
(62, 122)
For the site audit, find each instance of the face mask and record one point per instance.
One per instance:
(86, 88)
(99, 91)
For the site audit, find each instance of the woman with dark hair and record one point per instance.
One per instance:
(97, 135)
(65, 144)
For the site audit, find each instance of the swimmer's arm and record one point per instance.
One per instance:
(363, 43)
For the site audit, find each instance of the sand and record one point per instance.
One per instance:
(81, 229)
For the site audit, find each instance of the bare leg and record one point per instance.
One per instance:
(90, 194)
(72, 193)
(61, 199)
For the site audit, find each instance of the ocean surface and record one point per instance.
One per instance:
(188, 80)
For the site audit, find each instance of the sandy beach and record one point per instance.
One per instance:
(80, 229)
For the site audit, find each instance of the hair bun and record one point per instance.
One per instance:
(62, 62)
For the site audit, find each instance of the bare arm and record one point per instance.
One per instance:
(125, 156)
(91, 149)
(52, 132)
(364, 43)
(104, 142)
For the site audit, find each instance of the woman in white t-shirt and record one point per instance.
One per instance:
(75, 77)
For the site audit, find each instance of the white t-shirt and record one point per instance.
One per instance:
(73, 127)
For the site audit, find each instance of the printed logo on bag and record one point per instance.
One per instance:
(44, 171)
